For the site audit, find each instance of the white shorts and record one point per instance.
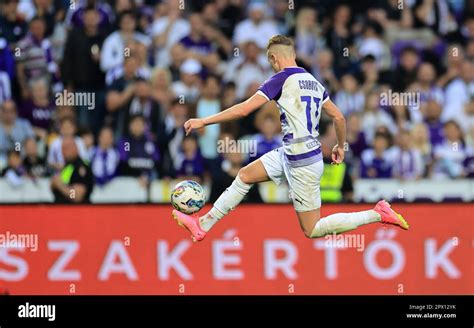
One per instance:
(303, 181)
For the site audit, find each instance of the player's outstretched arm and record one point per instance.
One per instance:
(340, 125)
(233, 113)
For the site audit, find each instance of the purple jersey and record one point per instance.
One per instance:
(299, 98)
(39, 116)
(191, 167)
(358, 145)
(381, 166)
(202, 47)
(436, 132)
(138, 157)
(76, 17)
(264, 146)
(7, 62)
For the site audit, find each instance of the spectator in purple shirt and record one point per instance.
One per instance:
(190, 164)
(138, 154)
(105, 157)
(425, 85)
(75, 16)
(376, 162)
(197, 45)
(7, 62)
(433, 122)
(268, 138)
(408, 163)
(39, 110)
(355, 135)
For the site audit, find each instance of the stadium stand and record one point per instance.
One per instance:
(121, 78)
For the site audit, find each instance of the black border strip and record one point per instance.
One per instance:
(197, 311)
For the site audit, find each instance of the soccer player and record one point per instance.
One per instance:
(300, 99)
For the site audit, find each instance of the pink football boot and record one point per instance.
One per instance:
(389, 216)
(190, 223)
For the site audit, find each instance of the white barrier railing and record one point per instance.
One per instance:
(37, 191)
(120, 190)
(128, 190)
(371, 190)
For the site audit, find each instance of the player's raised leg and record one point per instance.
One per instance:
(252, 173)
(198, 226)
(314, 227)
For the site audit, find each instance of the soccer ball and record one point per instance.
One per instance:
(188, 197)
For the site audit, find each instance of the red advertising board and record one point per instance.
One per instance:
(257, 249)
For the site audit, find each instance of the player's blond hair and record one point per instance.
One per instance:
(281, 44)
(280, 40)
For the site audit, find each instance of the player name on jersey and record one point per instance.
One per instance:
(308, 85)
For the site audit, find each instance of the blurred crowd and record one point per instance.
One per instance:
(402, 72)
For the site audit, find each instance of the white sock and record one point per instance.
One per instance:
(226, 202)
(342, 222)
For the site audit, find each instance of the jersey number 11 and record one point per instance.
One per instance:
(309, 123)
